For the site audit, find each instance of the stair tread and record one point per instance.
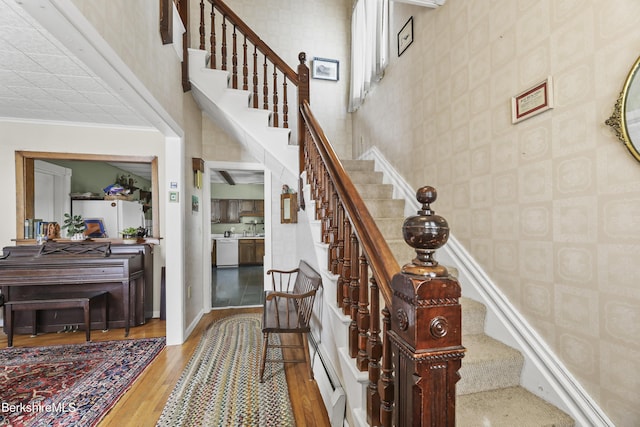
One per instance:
(481, 347)
(508, 407)
(488, 364)
(352, 165)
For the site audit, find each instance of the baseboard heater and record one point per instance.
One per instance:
(330, 388)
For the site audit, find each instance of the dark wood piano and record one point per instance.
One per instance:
(37, 270)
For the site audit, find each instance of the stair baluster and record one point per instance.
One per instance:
(255, 76)
(345, 272)
(274, 109)
(201, 28)
(362, 359)
(374, 353)
(333, 232)
(265, 84)
(285, 106)
(223, 46)
(385, 385)
(354, 293)
(245, 68)
(234, 59)
(212, 36)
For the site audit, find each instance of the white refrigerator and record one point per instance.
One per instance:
(116, 215)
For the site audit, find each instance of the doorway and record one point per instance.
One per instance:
(240, 215)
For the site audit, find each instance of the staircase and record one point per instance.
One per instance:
(230, 109)
(488, 392)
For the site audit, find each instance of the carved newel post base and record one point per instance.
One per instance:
(426, 325)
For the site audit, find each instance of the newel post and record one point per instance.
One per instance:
(425, 325)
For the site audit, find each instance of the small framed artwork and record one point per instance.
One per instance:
(94, 228)
(405, 36)
(532, 101)
(325, 69)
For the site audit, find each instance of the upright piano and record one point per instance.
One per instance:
(36, 270)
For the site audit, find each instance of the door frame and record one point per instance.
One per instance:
(206, 190)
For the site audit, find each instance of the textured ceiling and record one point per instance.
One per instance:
(41, 80)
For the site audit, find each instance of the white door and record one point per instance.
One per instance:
(52, 185)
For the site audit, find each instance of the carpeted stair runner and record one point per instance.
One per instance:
(488, 391)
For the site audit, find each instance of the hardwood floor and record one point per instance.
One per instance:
(143, 403)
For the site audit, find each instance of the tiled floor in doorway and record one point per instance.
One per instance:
(242, 286)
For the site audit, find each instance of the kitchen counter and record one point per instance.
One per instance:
(236, 236)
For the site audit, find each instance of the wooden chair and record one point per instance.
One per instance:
(287, 310)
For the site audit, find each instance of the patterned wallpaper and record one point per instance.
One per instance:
(550, 207)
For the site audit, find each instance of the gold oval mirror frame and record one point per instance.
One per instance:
(625, 119)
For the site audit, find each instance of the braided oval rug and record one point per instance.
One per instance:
(220, 385)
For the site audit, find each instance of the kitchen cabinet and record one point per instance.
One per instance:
(233, 211)
(259, 251)
(250, 251)
(246, 251)
(251, 207)
(215, 211)
(225, 211)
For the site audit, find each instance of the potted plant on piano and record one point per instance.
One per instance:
(74, 224)
(130, 235)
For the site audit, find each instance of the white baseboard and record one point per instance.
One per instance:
(543, 374)
(193, 324)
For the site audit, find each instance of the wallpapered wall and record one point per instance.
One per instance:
(550, 207)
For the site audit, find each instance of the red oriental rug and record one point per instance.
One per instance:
(69, 385)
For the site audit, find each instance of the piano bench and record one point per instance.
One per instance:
(54, 301)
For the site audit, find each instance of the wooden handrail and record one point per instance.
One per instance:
(381, 260)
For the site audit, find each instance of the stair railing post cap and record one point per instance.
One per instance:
(425, 232)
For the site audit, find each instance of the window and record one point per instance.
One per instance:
(369, 47)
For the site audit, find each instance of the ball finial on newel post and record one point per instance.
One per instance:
(425, 232)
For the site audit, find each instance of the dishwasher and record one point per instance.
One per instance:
(227, 252)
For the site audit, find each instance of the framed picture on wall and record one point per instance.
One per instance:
(325, 69)
(532, 101)
(405, 36)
